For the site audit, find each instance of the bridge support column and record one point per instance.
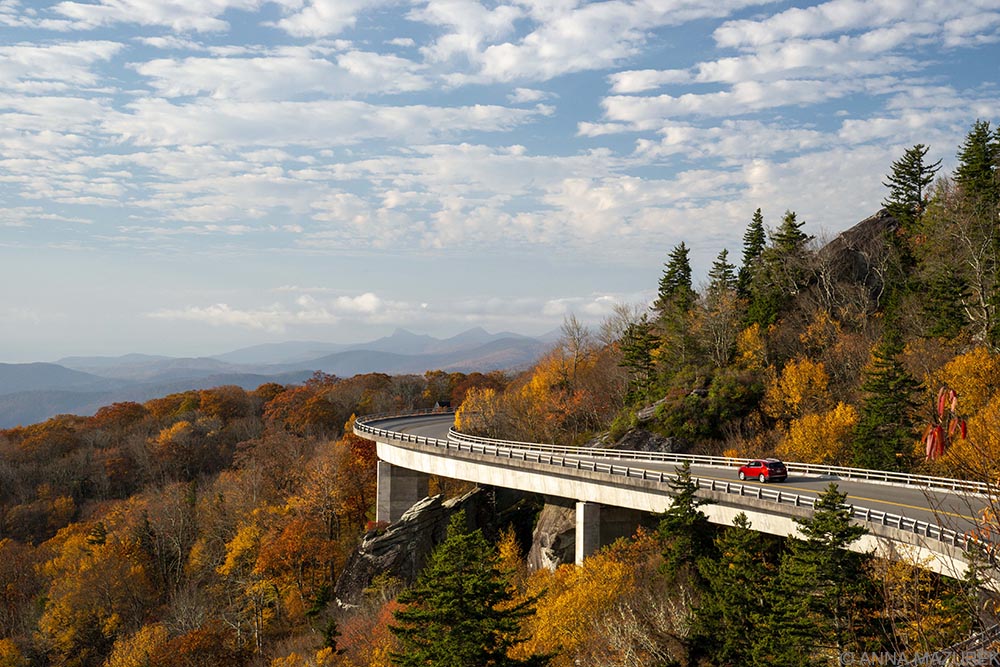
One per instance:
(588, 529)
(398, 490)
(600, 525)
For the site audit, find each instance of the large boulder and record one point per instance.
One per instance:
(858, 255)
(401, 549)
(553, 541)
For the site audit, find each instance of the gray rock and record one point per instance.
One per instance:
(402, 549)
(554, 539)
(641, 440)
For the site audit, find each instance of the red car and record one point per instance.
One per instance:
(765, 470)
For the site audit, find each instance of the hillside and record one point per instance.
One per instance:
(81, 385)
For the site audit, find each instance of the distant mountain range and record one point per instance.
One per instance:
(33, 392)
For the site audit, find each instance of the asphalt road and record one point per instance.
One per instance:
(954, 510)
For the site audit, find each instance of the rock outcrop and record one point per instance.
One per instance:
(641, 440)
(553, 541)
(857, 255)
(401, 550)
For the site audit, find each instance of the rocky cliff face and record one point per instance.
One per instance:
(553, 541)
(858, 254)
(402, 549)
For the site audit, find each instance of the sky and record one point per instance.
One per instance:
(188, 177)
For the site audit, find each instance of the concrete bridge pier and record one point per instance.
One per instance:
(398, 490)
(600, 525)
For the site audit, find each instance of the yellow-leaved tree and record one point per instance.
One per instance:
(751, 351)
(975, 377)
(136, 649)
(801, 387)
(820, 437)
(10, 654)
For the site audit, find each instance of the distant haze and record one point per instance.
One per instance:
(32, 392)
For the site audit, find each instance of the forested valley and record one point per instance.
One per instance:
(210, 527)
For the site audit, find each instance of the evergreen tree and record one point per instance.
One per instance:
(979, 159)
(783, 270)
(737, 599)
(722, 276)
(684, 528)
(824, 601)
(908, 184)
(637, 344)
(944, 293)
(675, 292)
(673, 309)
(884, 438)
(459, 612)
(754, 242)
(789, 239)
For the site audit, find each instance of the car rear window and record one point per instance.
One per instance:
(775, 466)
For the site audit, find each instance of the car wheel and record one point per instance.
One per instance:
(743, 475)
(761, 478)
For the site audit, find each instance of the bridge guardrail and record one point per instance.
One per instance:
(904, 479)
(544, 454)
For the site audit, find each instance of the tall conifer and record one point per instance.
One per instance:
(754, 242)
(675, 292)
(885, 438)
(737, 600)
(459, 612)
(824, 599)
(978, 162)
(908, 182)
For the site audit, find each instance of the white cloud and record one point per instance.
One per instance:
(527, 96)
(273, 318)
(294, 74)
(638, 81)
(565, 37)
(962, 21)
(201, 16)
(319, 18)
(54, 66)
(154, 121)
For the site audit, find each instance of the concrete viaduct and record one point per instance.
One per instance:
(930, 521)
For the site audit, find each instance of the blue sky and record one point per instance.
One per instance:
(186, 177)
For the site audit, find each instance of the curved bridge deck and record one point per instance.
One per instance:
(927, 520)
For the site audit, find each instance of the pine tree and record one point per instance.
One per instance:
(460, 612)
(754, 242)
(673, 307)
(721, 277)
(908, 184)
(737, 599)
(789, 239)
(944, 293)
(782, 271)
(979, 160)
(824, 601)
(637, 344)
(684, 528)
(884, 438)
(675, 292)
